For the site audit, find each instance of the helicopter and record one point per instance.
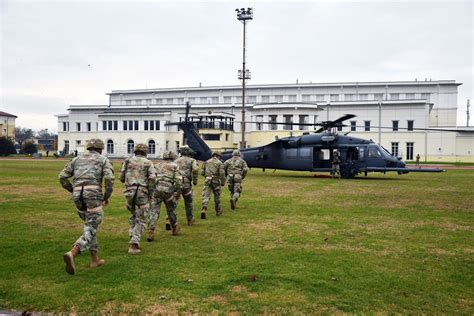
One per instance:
(312, 152)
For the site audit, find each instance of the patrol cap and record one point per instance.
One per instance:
(216, 153)
(141, 148)
(236, 152)
(95, 143)
(186, 150)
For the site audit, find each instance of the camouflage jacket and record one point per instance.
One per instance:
(214, 168)
(138, 170)
(168, 174)
(236, 165)
(91, 168)
(188, 168)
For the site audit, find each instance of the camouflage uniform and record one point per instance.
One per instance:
(236, 169)
(168, 186)
(139, 175)
(336, 162)
(88, 172)
(213, 171)
(189, 170)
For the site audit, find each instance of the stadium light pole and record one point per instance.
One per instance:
(244, 15)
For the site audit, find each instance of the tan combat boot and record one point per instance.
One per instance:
(191, 222)
(219, 212)
(232, 204)
(96, 262)
(176, 229)
(133, 249)
(203, 213)
(167, 225)
(69, 259)
(151, 235)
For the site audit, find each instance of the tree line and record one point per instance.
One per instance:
(24, 137)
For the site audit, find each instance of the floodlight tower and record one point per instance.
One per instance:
(244, 15)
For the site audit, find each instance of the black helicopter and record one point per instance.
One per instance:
(310, 152)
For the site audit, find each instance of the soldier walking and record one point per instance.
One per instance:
(189, 170)
(139, 175)
(88, 170)
(168, 186)
(336, 162)
(213, 171)
(236, 169)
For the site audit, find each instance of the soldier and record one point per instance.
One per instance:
(189, 169)
(167, 190)
(336, 161)
(236, 169)
(213, 171)
(139, 175)
(88, 170)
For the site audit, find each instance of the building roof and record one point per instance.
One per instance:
(293, 85)
(7, 114)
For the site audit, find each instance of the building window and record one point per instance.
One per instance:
(177, 145)
(110, 147)
(252, 99)
(394, 126)
(110, 125)
(180, 100)
(409, 96)
(148, 101)
(128, 102)
(410, 125)
(215, 100)
(169, 101)
(203, 100)
(238, 100)
(167, 145)
(227, 99)
(394, 96)
(425, 96)
(319, 97)
(339, 127)
(66, 147)
(145, 125)
(395, 149)
(334, 97)
(410, 151)
(151, 147)
(306, 97)
(272, 120)
(378, 96)
(211, 136)
(279, 98)
(303, 119)
(367, 126)
(78, 142)
(66, 126)
(349, 97)
(288, 119)
(159, 101)
(292, 98)
(353, 126)
(78, 126)
(363, 97)
(265, 98)
(88, 124)
(130, 146)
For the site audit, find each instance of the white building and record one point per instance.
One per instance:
(140, 116)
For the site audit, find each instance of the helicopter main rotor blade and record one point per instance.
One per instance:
(423, 129)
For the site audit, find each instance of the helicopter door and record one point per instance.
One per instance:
(321, 158)
(374, 157)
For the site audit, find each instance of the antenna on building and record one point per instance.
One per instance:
(467, 113)
(200, 85)
(296, 80)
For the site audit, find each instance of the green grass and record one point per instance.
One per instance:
(385, 243)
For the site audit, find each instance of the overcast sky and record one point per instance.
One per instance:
(58, 53)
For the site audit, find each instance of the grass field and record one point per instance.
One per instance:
(295, 245)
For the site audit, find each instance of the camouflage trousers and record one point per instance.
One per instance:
(234, 183)
(336, 170)
(166, 195)
(188, 197)
(138, 205)
(212, 186)
(89, 208)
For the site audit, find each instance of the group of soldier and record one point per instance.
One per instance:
(147, 186)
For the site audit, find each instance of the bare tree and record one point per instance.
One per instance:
(22, 134)
(44, 133)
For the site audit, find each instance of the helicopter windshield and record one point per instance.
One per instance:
(386, 151)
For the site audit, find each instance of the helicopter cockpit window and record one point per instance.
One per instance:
(305, 152)
(361, 153)
(374, 152)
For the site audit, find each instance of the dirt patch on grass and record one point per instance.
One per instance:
(217, 299)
